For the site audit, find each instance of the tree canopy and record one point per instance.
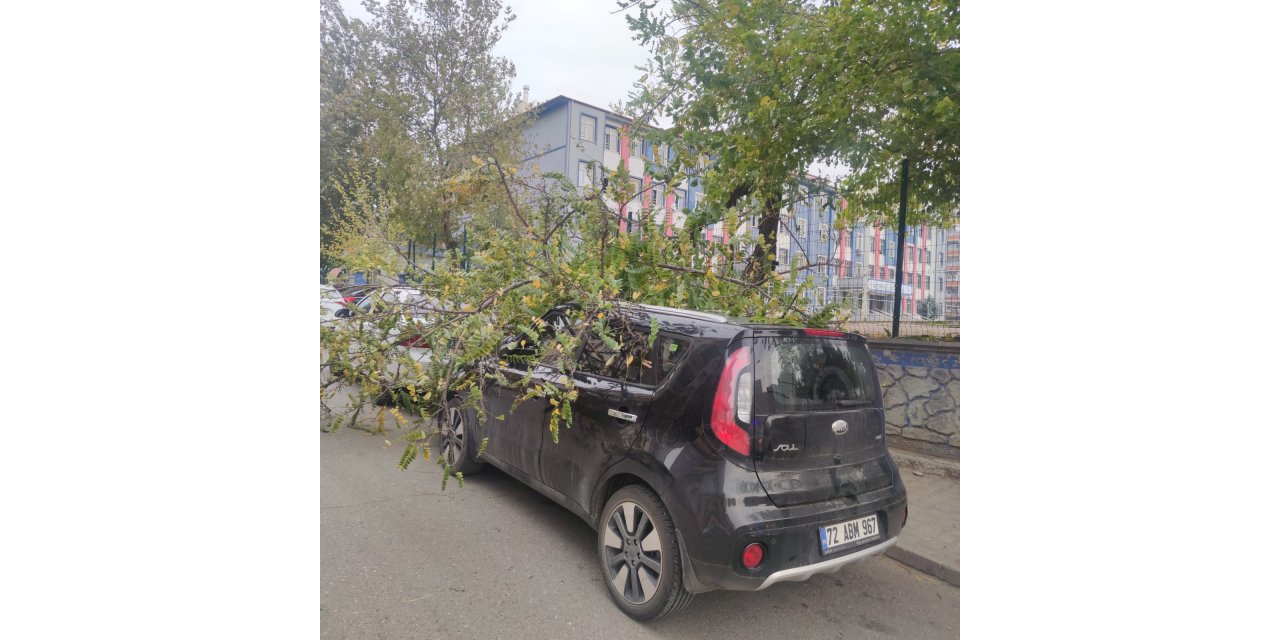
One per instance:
(769, 87)
(408, 103)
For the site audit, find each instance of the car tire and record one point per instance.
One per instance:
(456, 441)
(639, 555)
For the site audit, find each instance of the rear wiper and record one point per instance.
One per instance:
(852, 403)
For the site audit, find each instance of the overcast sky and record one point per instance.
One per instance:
(578, 48)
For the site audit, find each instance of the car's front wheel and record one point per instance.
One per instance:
(640, 555)
(456, 442)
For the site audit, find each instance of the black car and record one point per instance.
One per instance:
(728, 455)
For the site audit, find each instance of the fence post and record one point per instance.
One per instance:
(902, 246)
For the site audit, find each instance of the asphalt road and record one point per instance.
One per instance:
(399, 558)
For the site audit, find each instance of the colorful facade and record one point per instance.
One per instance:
(854, 267)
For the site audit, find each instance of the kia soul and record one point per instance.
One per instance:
(725, 454)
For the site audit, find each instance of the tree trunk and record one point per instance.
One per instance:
(760, 265)
(446, 230)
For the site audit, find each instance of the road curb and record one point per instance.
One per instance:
(950, 575)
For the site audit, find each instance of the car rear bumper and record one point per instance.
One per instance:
(792, 548)
(800, 574)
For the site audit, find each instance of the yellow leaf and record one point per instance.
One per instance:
(629, 359)
(715, 294)
(537, 283)
(635, 296)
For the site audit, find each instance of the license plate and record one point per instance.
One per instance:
(844, 534)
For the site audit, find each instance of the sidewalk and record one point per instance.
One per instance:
(931, 540)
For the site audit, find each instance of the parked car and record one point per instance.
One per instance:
(332, 304)
(373, 300)
(730, 455)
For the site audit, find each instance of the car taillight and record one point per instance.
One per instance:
(752, 556)
(350, 299)
(732, 404)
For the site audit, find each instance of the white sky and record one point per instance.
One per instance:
(578, 48)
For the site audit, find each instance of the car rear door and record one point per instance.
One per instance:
(819, 426)
(614, 397)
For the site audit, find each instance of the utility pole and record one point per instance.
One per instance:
(902, 247)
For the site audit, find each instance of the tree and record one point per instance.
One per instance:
(767, 88)
(410, 103)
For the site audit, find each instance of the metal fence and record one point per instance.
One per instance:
(868, 303)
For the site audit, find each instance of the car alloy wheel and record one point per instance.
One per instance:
(633, 553)
(452, 436)
(640, 554)
(456, 445)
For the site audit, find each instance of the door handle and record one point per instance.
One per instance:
(622, 415)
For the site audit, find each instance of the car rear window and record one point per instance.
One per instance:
(811, 374)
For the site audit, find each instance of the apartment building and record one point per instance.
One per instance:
(854, 267)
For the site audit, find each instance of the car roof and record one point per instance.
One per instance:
(701, 323)
(713, 324)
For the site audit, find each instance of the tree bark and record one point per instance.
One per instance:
(760, 265)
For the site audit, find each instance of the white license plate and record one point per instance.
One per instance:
(843, 534)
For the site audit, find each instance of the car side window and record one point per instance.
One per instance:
(597, 358)
(670, 353)
(628, 362)
(647, 366)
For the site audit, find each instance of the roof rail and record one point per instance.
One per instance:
(700, 315)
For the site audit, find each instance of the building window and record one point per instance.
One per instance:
(635, 147)
(637, 185)
(586, 128)
(801, 228)
(821, 260)
(697, 201)
(680, 199)
(611, 139)
(584, 174)
(824, 231)
(782, 256)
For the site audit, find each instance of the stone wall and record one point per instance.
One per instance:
(921, 386)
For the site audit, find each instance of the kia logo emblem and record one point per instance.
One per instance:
(840, 427)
